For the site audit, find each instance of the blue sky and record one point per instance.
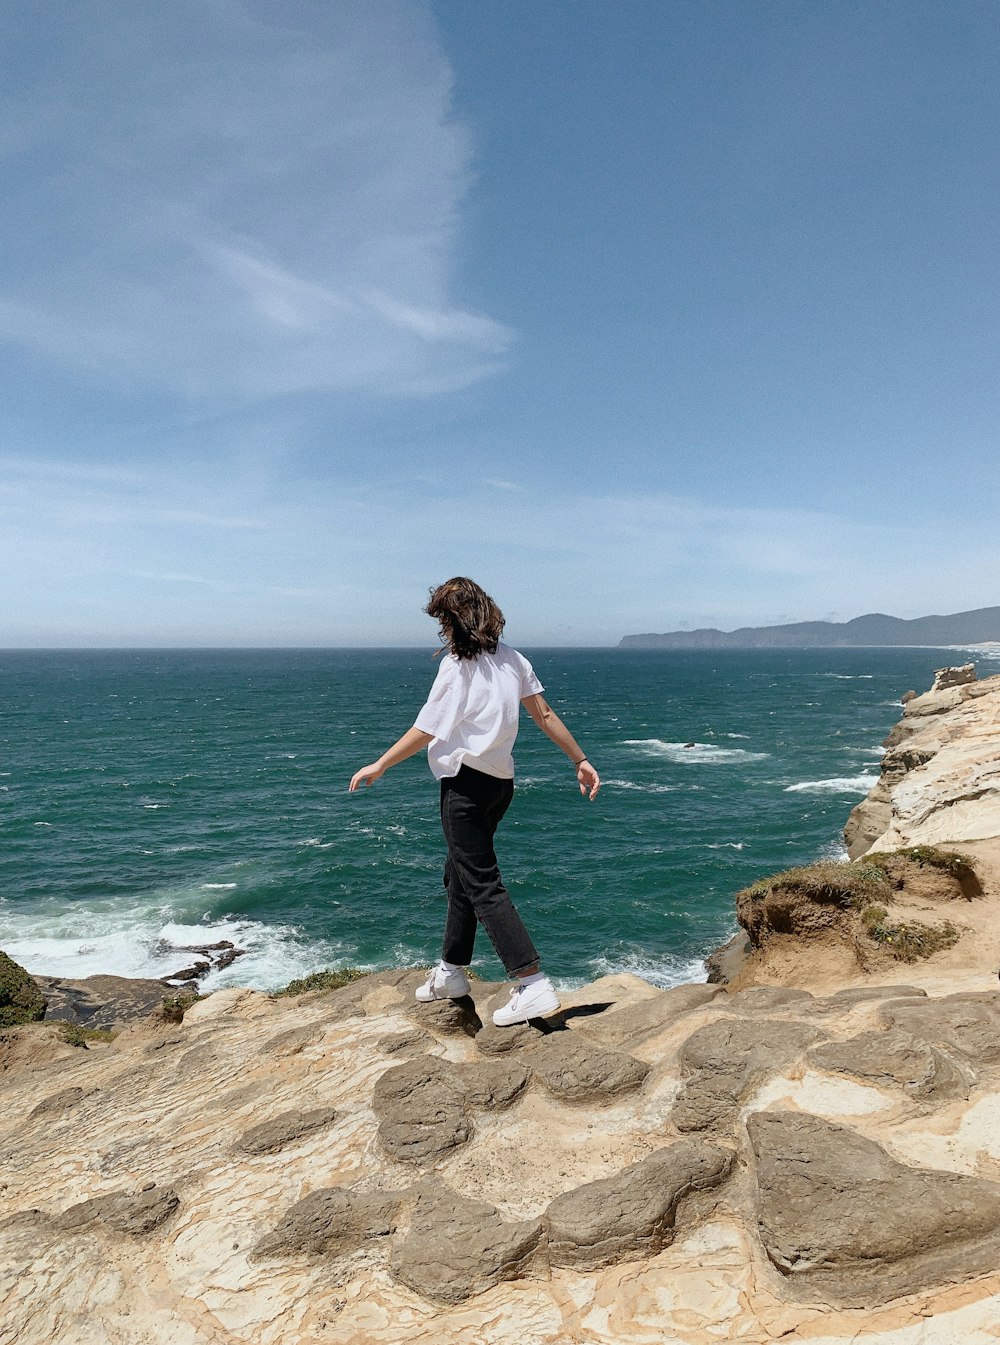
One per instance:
(648, 314)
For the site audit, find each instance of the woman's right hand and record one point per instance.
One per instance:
(367, 775)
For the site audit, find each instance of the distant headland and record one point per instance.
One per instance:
(981, 626)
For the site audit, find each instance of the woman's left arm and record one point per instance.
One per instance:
(413, 741)
(553, 727)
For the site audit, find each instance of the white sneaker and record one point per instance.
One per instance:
(443, 985)
(528, 1001)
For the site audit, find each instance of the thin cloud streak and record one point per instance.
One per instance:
(241, 205)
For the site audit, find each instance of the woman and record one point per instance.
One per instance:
(468, 726)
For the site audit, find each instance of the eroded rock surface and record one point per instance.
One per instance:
(270, 1136)
(726, 1060)
(967, 1024)
(332, 1222)
(311, 1184)
(895, 1058)
(423, 1109)
(940, 776)
(124, 1212)
(457, 1247)
(632, 1213)
(575, 1071)
(841, 1218)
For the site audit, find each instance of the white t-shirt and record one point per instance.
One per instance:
(472, 712)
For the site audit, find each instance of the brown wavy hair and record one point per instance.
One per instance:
(470, 620)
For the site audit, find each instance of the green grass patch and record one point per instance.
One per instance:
(961, 867)
(75, 1034)
(322, 980)
(909, 942)
(174, 1007)
(847, 885)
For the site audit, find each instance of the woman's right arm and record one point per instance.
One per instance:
(413, 741)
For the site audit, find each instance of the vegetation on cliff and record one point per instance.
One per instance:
(21, 1001)
(856, 900)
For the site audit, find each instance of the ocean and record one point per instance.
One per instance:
(152, 801)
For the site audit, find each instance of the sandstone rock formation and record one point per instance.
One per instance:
(940, 778)
(688, 1165)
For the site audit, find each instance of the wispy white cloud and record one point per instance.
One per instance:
(230, 197)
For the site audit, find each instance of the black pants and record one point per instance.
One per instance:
(472, 805)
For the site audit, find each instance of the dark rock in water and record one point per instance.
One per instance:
(283, 1130)
(213, 957)
(458, 1247)
(21, 998)
(101, 1001)
(632, 1213)
(845, 1223)
(193, 973)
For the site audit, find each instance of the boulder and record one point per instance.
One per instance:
(573, 1070)
(895, 1059)
(636, 1022)
(122, 1211)
(966, 1025)
(954, 677)
(332, 1222)
(423, 1110)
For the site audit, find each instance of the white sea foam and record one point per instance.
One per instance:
(835, 850)
(124, 937)
(694, 754)
(726, 845)
(665, 972)
(647, 788)
(840, 784)
(218, 887)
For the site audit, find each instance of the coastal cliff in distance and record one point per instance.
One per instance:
(809, 1156)
(981, 626)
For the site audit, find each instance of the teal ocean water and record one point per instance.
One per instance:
(155, 800)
